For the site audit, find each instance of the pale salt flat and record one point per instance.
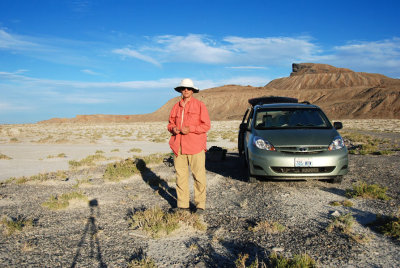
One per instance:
(35, 148)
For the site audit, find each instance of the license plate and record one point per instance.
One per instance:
(302, 162)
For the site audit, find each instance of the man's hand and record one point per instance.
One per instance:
(185, 130)
(176, 131)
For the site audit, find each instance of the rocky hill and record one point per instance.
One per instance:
(340, 92)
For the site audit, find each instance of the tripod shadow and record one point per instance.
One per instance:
(156, 183)
(91, 231)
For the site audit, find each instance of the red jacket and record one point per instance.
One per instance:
(195, 116)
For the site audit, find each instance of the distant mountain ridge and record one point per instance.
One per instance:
(340, 92)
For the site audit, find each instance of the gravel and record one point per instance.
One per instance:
(98, 234)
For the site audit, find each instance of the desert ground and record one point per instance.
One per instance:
(62, 202)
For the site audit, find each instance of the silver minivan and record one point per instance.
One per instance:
(284, 139)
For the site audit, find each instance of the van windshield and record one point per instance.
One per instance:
(277, 118)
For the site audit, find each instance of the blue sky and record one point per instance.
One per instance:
(64, 58)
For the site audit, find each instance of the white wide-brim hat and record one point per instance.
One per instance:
(187, 83)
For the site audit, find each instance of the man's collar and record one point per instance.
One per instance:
(181, 101)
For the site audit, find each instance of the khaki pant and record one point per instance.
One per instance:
(196, 162)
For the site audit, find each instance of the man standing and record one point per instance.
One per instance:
(188, 123)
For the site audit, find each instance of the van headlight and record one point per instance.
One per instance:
(336, 144)
(263, 144)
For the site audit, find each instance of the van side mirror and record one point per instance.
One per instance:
(338, 125)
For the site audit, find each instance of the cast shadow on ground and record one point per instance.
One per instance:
(336, 191)
(157, 183)
(90, 233)
(234, 250)
(365, 218)
(231, 166)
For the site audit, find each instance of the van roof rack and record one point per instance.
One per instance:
(272, 99)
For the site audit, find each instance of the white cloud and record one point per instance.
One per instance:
(230, 50)
(247, 67)
(15, 42)
(7, 107)
(135, 54)
(262, 53)
(378, 55)
(30, 82)
(271, 50)
(192, 48)
(86, 99)
(87, 71)
(52, 49)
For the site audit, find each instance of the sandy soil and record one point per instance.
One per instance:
(97, 234)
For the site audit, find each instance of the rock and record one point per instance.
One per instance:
(277, 249)
(335, 214)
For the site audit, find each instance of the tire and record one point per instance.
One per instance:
(337, 179)
(250, 177)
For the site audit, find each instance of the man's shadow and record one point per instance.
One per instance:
(157, 183)
(91, 231)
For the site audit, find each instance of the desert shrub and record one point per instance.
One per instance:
(87, 161)
(81, 182)
(158, 140)
(344, 223)
(156, 223)
(299, 260)
(41, 177)
(60, 155)
(153, 158)
(13, 225)
(242, 259)
(62, 201)
(142, 263)
(335, 203)
(135, 150)
(367, 144)
(4, 157)
(389, 226)
(44, 140)
(268, 227)
(364, 190)
(121, 170)
(345, 203)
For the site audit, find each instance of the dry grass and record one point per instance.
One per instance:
(4, 157)
(268, 227)
(157, 223)
(15, 225)
(120, 170)
(369, 191)
(61, 202)
(343, 223)
(41, 177)
(345, 203)
(90, 160)
(300, 260)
